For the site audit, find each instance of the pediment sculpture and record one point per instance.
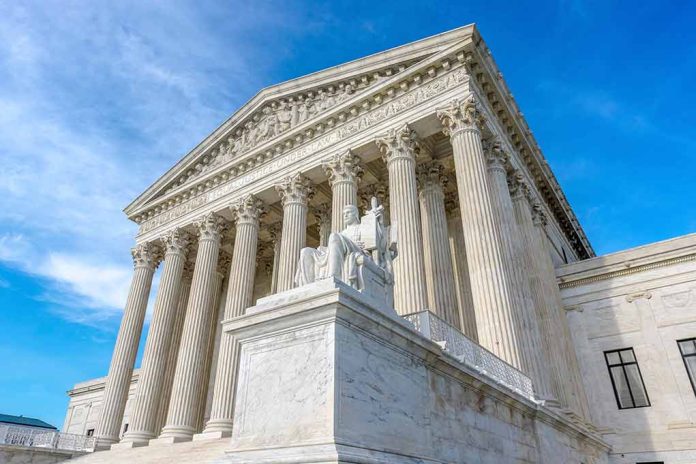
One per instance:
(360, 255)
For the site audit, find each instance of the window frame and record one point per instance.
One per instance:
(623, 365)
(684, 356)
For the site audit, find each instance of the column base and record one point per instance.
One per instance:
(104, 443)
(212, 435)
(129, 444)
(174, 434)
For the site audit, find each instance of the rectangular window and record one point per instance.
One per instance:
(688, 352)
(626, 379)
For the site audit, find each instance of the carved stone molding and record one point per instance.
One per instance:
(343, 167)
(295, 189)
(431, 177)
(146, 255)
(177, 241)
(248, 211)
(210, 227)
(399, 143)
(460, 116)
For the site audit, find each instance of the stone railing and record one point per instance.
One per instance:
(40, 438)
(471, 353)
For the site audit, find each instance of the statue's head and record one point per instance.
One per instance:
(351, 215)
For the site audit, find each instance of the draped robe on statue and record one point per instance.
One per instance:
(338, 258)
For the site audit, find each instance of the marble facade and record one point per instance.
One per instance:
(431, 130)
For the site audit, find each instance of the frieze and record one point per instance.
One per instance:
(363, 122)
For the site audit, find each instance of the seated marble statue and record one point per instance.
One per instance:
(360, 249)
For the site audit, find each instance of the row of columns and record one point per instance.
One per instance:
(490, 261)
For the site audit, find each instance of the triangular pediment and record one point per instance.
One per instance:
(282, 109)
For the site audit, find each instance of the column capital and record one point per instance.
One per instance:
(459, 116)
(343, 167)
(538, 215)
(147, 255)
(248, 210)
(210, 227)
(322, 213)
(431, 177)
(378, 190)
(399, 143)
(176, 241)
(452, 203)
(274, 230)
(518, 186)
(295, 189)
(496, 156)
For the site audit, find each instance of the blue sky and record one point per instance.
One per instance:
(97, 99)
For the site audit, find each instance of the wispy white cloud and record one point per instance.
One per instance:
(99, 99)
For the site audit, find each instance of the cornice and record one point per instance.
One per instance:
(489, 79)
(418, 74)
(351, 70)
(628, 262)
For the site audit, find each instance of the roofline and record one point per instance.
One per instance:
(287, 87)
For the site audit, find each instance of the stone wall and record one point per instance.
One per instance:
(10, 454)
(645, 299)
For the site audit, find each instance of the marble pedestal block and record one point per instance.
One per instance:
(327, 376)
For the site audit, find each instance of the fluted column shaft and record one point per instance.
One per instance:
(122, 361)
(276, 232)
(535, 361)
(188, 379)
(442, 299)
(465, 302)
(398, 150)
(239, 298)
(294, 192)
(223, 268)
(490, 281)
(173, 352)
(344, 173)
(143, 421)
(570, 379)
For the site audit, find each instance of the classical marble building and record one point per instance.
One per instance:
(482, 357)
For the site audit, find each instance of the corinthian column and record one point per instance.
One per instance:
(143, 422)
(344, 174)
(398, 149)
(173, 351)
(223, 269)
(239, 297)
(570, 381)
(490, 281)
(534, 360)
(295, 191)
(467, 317)
(121, 369)
(188, 379)
(439, 277)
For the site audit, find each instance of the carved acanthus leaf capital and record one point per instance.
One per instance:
(343, 167)
(538, 215)
(401, 143)
(322, 214)
(459, 116)
(431, 176)
(496, 156)
(295, 189)
(146, 255)
(176, 241)
(452, 203)
(248, 210)
(518, 186)
(210, 227)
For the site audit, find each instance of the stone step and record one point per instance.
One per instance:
(198, 452)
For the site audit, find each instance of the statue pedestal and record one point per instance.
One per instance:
(327, 375)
